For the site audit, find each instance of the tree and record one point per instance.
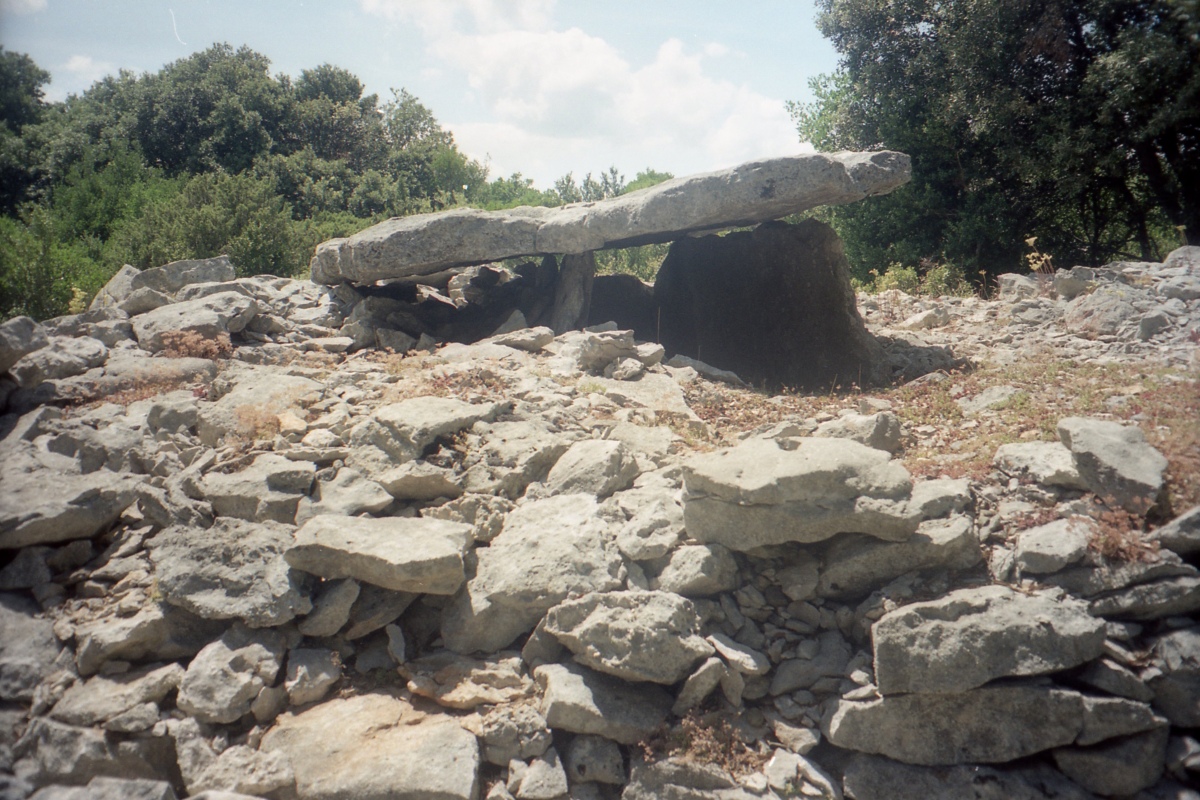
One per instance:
(21, 82)
(1076, 121)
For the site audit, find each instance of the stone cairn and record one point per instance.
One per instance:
(282, 563)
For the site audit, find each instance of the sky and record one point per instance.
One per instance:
(540, 87)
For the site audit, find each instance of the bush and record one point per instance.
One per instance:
(40, 276)
(933, 280)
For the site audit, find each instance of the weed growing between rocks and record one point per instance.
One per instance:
(704, 739)
(141, 390)
(190, 344)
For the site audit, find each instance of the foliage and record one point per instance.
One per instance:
(21, 83)
(38, 269)
(930, 279)
(1077, 122)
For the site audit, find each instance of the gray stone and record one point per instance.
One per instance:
(225, 312)
(66, 754)
(20, 336)
(593, 466)
(256, 393)
(1053, 546)
(139, 301)
(683, 778)
(655, 521)
(1122, 768)
(397, 553)
(1163, 598)
(374, 609)
(855, 565)
(62, 357)
(594, 759)
(238, 769)
(577, 700)
(1177, 688)
(1047, 463)
(881, 431)
(348, 494)
(573, 291)
(990, 398)
(637, 636)
(544, 778)
(459, 682)
(699, 685)
(990, 725)
(740, 658)
(548, 550)
(172, 277)
(419, 480)
(704, 370)
(311, 673)
(28, 647)
(155, 632)
(1115, 461)
(752, 192)
(875, 778)
(510, 731)
(763, 492)
(226, 676)
(1111, 717)
(117, 289)
(27, 569)
(698, 570)
(972, 636)
(383, 747)
(331, 608)
(1090, 580)
(269, 489)
(102, 698)
(484, 513)
(1182, 534)
(415, 423)
(1102, 312)
(233, 570)
(829, 661)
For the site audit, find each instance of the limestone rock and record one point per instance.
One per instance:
(233, 570)
(226, 676)
(991, 725)
(772, 304)
(637, 636)
(28, 647)
(1182, 534)
(418, 480)
(1115, 461)
(1122, 767)
(397, 553)
(547, 550)
(62, 357)
(763, 492)
(269, 489)
(459, 682)
(1155, 600)
(225, 312)
(256, 395)
(854, 565)
(972, 636)
(1177, 688)
(311, 673)
(1101, 312)
(157, 631)
(102, 698)
(172, 277)
(1053, 546)
(875, 778)
(383, 747)
(20, 336)
(699, 685)
(593, 466)
(1047, 463)
(683, 778)
(830, 660)
(331, 608)
(348, 493)
(416, 422)
(594, 759)
(510, 731)
(577, 700)
(237, 769)
(881, 431)
(698, 570)
(544, 778)
(751, 192)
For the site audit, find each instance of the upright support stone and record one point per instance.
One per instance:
(573, 295)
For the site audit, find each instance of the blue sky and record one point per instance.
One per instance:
(542, 87)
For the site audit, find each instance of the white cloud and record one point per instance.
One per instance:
(22, 6)
(85, 69)
(564, 100)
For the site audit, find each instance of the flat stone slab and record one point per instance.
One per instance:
(753, 192)
(397, 553)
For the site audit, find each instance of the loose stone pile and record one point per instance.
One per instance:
(498, 569)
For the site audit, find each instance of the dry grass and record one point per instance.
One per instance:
(709, 739)
(1118, 534)
(141, 390)
(190, 344)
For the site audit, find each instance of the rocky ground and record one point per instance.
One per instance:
(285, 565)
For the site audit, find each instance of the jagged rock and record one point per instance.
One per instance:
(1053, 546)
(544, 778)
(654, 519)
(1047, 463)
(80, 506)
(311, 673)
(226, 676)
(699, 685)
(107, 789)
(1117, 679)
(594, 759)
(741, 658)
(458, 682)
(855, 564)
(1101, 312)
(547, 550)
(172, 277)
(578, 700)
(684, 778)
(255, 399)
(67, 754)
(485, 513)
(881, 431)
(419, 480)
(375, 608)
(61, 357)
(237, 769)
(208, 317)
(510, 731)
(20, 336)
(1091, 580)
(382, 747)
(349, 494)
(28, 647)
(268, 490)
(1146, 601)
(1122, 767)
(972, 636)
(331, 608)
(698, 570)
(233, 570)
(638, 636)
(990, 725)
(752, 192)
(119, 286)
(156, 632)
(1182, 534)
(102, 698)
(1115, 461)
(1110, 717)
(397, 553)
(1177, 688)
(875, 778)
(412, 425)
(829, 661)
(772, 304)
(764, 492)
(593, 466)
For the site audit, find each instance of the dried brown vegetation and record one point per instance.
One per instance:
(704, 739)
(190, 344)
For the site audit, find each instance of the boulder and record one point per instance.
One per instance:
(397, 553)
(208, 317)
(1182, 534)
(875, 778)
(254, 400)
(229, 773)
(881, 431)
(972, 636)
(830, 661)
(28, 647)
(103, 698)
(752, 192)
(698, 570)
(1123, 767)
(1115, 461)
(456, 681)
(270, 489)
(1101, 312)
(233, 570)
(155, 632)
(1053, 546)
(764, 492)
(172, 277)
(119, 287)
(772, 304)
(593, 466)
(226, 676)
(20, 336)
(548, 550)
(381, 747)
(62, 357)
(311, 673)
(637, 636)
(510, 731)
(1047, 463)
(1176, 685)
(681, 777)
(578, 700)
